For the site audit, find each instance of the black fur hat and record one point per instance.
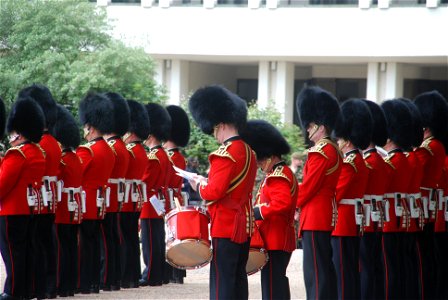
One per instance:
(2, 118)
(379, 133)
(121, 114)
(42, 95)
(417, 127)
(26, 118)
(66, 130)
(139, 119)
(215, 104)
(265, 139)
(399, 121)
(317, 105)
(355, 123)
(434, 111)
(180, 125)
(97, 111)
(160, 121)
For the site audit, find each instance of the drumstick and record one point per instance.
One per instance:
(176, 202)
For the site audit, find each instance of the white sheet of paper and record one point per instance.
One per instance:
(183, 173)
(158, 206)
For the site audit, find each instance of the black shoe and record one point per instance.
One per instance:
(156, 283)
(115, 287)
(143, 282)
(95, 289)
(84, 291)
(125, 285)
(5, 296)
(63, 294)
(106, 288)
(51, 295)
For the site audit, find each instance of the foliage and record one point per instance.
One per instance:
(66, 45)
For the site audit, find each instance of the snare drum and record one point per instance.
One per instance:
(258, 255)
(188, 242)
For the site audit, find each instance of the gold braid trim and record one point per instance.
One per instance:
(17, 148)
(426, 143)
(222, 152)
(387, 160)
(152, 155)
(351, 160)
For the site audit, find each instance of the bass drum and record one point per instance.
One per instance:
(188, 239)
(258, 255)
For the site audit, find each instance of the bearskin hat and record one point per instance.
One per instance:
(139, 119)
(2, 118)
(121, 114)
(317, 105)
(42, 95)
(399, 121)
(160, 121)
(215, 104)
(265, 139)
(379, 132)
(355, 123)
(96, 110)
(434, 111)
(66, 129)
(26, 118)
(417, 127)
(180, 125)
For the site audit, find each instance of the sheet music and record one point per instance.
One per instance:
(184, 174)
(158, 205)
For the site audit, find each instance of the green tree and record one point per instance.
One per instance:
(66, 45)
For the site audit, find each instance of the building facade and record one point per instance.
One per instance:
(266, 50)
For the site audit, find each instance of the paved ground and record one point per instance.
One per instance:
(196, 285)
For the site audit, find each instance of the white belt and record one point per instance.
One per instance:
(50, 178)
(394, 195)
(137, 181)
(116, 180)
(74, 190)
(377, 198)
(351, 201)
(426, 189)
(415, 195)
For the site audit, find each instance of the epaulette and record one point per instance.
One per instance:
(366, 156)
(406, 154)
(63, 163)
(170, 153)
(278, 172)
(222, 152)
(17, 148)
(425, 145)
(41, 149)
(111, 144)
(387, 160)
(351, 160)
(129, 147)
(368, 165)
(318, 148)
(152, 155)
(88, 145)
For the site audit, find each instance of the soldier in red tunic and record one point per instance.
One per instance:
(318, 111)
(275, 206)
(45, 247)
(70, 205)
(399, 174)
(370, 264)
(98, 159)
(111, 239)
(156, 178)
(228, 189)
(433, 108)
(180, 134)
(354, 131)
(130, 211)
(21, 172)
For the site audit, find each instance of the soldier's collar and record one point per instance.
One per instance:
(231, 139)
(354, 151)
(280, 163)
(394, 151)
(96, 139)
(371, 150)
(115, 137)
(156, 147)
(46, 132)
(173, 149)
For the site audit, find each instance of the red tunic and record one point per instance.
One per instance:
(376, 183)
(229, 190)
(97, 161)
(118, 173)
(276, 202)
(431, 153)
(349, 193)
(175, 181)
(442, 194)
(138, 162)
(317, 192)
(22, 166)
(70, 172)
(52, 158)
(156, 179)
(399, 175)
(414, 191)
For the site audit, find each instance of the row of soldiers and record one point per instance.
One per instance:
(373, 204)
(70, 213)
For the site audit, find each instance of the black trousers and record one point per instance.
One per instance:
(228, 278)
(153, 248)
(411, 266)
(130, 249)
(371, 273)
(14, 247)
(67, 238)
(429, 265)
(346, 264)
(392, 251)
(441, 253)
(274, 282)
(318, 269)
(110, 251)
(90, 254)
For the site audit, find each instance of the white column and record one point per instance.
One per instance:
(284, 92)
(394, 80)
(264, 82)
(383, 3)
(103, 2)
(147, 3)
(160, 71)
(432, 3)
(373, 81)
(364, 4)
(210, 3)
(178, 81)
(254, 4)
(272, 4)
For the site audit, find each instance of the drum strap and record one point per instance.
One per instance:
(241, 176)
